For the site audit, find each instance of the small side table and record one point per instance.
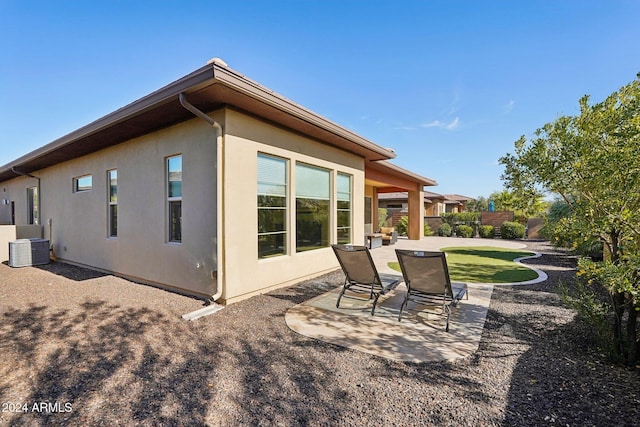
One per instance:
(374, 240)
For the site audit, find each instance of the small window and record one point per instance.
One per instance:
(174, 198)
(32, 206)
(112, 202)
(344, 208)
(82, 183)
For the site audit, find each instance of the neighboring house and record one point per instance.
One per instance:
(434, 204)
(456, 203)
(212, 185)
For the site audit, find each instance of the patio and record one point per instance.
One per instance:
(420, 337)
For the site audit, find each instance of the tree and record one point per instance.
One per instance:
(478, 205)
(527, 203)
(591, 161)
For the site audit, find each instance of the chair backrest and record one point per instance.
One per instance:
(425, 271)
(356, 263)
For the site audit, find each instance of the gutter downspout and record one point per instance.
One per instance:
(13, 169)
(219, 273)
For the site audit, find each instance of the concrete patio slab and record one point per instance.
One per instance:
(420, 336)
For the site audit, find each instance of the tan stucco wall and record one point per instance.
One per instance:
(245, 137)
(79, 220)
(7, 234)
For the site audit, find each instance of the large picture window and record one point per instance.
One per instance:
(112, 182)
(272, 206)
(174, 198)
(313, 186)
(344, 208)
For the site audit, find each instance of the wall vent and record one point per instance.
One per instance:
(28, 252)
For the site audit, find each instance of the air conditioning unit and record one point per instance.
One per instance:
(28, 252)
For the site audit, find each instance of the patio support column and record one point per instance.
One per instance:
(374, 211)
(416, 215)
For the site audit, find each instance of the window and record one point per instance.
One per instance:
(82, 183)
(344, 208)
(112, 182)
(312, 207)
(32, 206)
(174, 198)
(272, 206)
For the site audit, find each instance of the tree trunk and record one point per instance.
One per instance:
(632, 356)
(618, 308)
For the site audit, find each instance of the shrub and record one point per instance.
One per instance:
(403, 226)
(487, 231)
(444, 230)
(427, 230)
(383, 216)
(512, 230)
(464, 231)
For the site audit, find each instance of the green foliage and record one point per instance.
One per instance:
(427, 230)
(591, 161)
(383, 216)
(456, 218)
(480, 204)
(486, 231)
(402, 227)
(464, 231)
(593, 311)
(444, 230)
(525, 204)
(512, 230)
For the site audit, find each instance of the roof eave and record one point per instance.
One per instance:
(197, 81)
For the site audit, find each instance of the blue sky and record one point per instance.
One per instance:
(450, 85)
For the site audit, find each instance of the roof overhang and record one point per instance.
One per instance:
(209, 88)
(390, 178)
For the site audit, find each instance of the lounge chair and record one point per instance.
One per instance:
(427, 279)
(361, 274)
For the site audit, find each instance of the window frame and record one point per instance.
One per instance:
(326, 206)
(112, 220)
(77, 188)
(285, 208)
(33, 216)
(339, 209)
(173, 200)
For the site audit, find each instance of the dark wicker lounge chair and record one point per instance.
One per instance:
(361, 275)
(426, 276)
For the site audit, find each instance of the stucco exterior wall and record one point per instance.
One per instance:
(245, 137)
(79, 227)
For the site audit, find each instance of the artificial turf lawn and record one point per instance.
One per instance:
(484, 264)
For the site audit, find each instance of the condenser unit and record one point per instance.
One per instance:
(27, 252)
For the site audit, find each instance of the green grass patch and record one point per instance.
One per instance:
(484, 264)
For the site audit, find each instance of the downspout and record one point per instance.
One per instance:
(219, 273)
(13, 169)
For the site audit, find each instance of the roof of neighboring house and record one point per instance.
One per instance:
(457, 197)
(449, 199)
(208, 88)
(398, 196)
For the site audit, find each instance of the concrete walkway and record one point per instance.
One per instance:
(420, 336)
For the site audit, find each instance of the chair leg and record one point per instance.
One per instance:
(344, 288)
(404, 304)
(375, 301)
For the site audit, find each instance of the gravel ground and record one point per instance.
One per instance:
(81, 348)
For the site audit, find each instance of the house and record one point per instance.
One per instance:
(434, 204)
(212, 185)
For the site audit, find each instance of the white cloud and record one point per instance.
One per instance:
(510, 106)
(442, 125)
